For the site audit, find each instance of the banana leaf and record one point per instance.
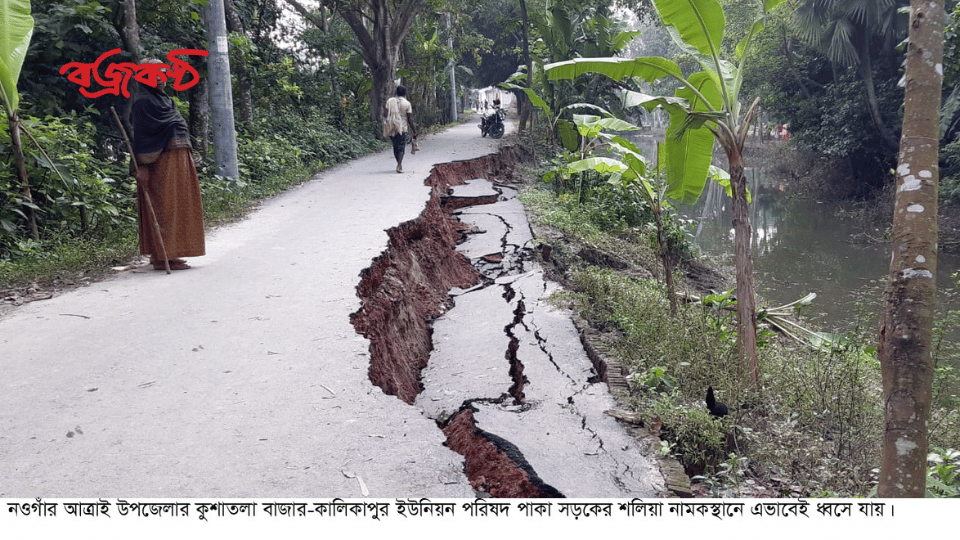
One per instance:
(16, 29)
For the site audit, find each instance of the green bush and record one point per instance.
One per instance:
(949, 189)
(76, 192)
(835, 121)
(823, 407)
(590, 200)
(317, 141)
(84, 196)
(943, 473)
(265, 162)
(945, 422)
(696, 439)
(819, 412)
(688, 349)
(612, 207)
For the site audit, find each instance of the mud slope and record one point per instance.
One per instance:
(408, 285)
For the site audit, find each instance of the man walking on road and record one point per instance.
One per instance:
(398, 119)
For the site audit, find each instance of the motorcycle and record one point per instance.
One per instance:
(493, 124)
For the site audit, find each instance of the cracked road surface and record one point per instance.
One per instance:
(518, 363)
(243, 377)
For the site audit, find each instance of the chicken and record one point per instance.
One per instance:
(715, 407)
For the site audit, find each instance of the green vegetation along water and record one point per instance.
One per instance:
(802, 246)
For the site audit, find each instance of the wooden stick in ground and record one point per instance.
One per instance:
(146, 195)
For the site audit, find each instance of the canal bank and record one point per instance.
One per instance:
(815, 426)
(811, 235)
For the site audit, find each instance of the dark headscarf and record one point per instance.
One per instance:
(156, 121)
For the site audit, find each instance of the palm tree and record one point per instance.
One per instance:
(844, 30)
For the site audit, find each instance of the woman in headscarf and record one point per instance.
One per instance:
(161, 145)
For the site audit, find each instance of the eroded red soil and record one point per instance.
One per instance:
(406, 288)
(488, 467)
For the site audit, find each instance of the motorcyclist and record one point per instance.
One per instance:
(488, 121)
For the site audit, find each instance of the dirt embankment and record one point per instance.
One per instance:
(407, 286)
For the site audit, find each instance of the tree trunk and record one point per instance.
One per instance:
(453, 70)
(866, 73)
(526, 107)
(198, 115)
(130, 32)
(746, 303)
(332, 67)
(665, 258)
(383, 87)
(14, 122)
(788, 55)
(906, 324)
(130, 35)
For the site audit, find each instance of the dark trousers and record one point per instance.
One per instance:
(399, 145)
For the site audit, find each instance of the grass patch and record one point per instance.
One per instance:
(568, 223)
(64, 258)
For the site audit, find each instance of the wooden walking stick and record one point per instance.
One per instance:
(146, 194)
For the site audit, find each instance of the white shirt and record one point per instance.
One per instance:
(396, 120)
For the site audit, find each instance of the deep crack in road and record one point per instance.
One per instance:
(507, 377)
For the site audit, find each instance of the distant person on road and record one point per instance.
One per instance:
(396, 123)
(161, 146)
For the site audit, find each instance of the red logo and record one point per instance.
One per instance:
(116, 77)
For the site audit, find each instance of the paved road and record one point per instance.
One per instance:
(241, 377)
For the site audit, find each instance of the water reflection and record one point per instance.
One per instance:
(801, 246)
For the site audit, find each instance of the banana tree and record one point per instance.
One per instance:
(704, 110)
(626, 167)
(16, 29)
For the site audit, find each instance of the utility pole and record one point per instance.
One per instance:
(223, 130)
(453, 78)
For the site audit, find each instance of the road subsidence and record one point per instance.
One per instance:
(459, 327)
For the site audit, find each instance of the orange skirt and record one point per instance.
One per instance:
(174, 191)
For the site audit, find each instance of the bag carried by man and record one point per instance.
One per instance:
(393, 122)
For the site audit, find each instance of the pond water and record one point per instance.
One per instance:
(802, 246)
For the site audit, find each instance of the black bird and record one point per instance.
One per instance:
(715, 407)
